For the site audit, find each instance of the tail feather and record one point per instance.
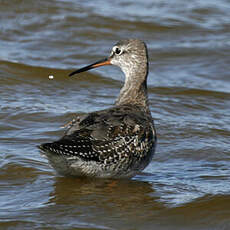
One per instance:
(56, 148)
(45, 146)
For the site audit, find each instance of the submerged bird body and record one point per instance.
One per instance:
(117, 142)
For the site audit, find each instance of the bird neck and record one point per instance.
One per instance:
(134, 92)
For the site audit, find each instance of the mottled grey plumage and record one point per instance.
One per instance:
(116, 142)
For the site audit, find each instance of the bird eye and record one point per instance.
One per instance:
(117, 50)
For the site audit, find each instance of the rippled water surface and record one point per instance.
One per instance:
(187, 184)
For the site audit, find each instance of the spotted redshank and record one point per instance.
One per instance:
(117, 142)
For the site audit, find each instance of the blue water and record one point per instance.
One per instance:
(186, 186)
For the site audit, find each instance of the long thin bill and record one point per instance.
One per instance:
(102, 62)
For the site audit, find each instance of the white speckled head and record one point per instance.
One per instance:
(132, 57)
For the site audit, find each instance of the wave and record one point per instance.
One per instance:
(11, 71)
(173, 91)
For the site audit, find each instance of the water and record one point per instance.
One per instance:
(186, 186)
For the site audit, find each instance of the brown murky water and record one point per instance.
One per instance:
(187, 185)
